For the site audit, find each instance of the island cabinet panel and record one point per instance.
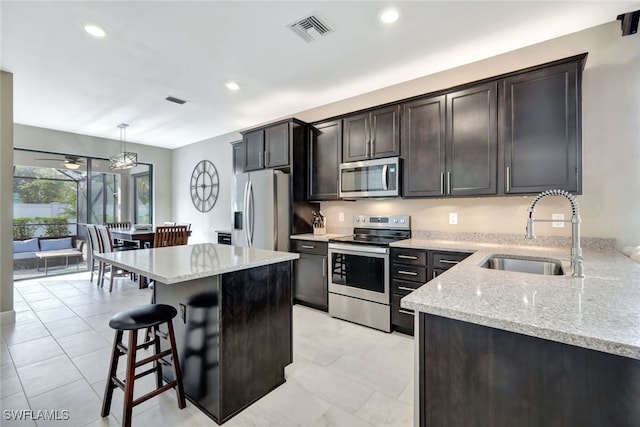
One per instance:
(472, 141)
(324, 160)
(372, 135)
(472, 375)
(423, 147)
(234, 336)
(540, 112)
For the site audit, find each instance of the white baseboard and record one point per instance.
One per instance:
(7, 317)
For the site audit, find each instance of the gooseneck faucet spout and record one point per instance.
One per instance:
(576, 250)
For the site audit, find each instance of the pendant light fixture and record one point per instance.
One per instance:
(124, 160)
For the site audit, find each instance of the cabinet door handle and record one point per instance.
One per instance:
(408, 257)
(308, 246)
(434, 275)
(448, 182)
(410, 313)
(442, 183)
(508, 179)
(324, 266)
(260, 159)
(267, 158)
(407, 273)
(404, 288)
(446, 261)
(373, 147)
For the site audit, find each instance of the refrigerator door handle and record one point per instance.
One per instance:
(245, 213)
(276, 213)
(251, 214)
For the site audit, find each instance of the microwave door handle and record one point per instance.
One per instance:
(385, 177)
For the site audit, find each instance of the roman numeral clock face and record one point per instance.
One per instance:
(204, 186)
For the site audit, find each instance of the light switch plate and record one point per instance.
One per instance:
(341, 216)
(559, 216)
(453, 218)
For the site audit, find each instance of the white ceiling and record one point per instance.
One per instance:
(66, 80)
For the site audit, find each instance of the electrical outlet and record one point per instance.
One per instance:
(341, 216)
(453, 218)
(558, 216)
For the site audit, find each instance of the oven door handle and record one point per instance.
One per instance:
(359, 248)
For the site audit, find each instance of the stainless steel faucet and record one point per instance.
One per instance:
(576, 250)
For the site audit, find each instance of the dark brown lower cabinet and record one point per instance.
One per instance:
(310, 285)
(472, 375)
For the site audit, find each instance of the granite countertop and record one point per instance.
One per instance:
(599, 312)
(177, 264)
(316, 237)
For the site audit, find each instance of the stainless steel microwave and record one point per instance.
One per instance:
(370, 178)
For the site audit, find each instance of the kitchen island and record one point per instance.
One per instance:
(234, 324)
(507, 348)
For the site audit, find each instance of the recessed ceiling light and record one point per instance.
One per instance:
(95, 31)
(232, 86)
(389, 16)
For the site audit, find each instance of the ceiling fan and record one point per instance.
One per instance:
(70, 162)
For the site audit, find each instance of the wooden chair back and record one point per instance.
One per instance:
(118, 225)
(106, 243)
(94, 240)
(170, 235)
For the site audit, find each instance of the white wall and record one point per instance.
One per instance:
(611, 181)
(204, 224)
(35, 138)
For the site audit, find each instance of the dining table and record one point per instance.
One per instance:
(141, 238)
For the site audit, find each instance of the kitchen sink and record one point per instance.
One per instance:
(545, 266)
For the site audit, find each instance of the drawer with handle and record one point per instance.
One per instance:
(446, 260)
(404, 287)
(409, 272)
(408, 256)
(309, 247)
(402, 318)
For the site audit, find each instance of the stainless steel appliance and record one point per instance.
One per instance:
(358, 270)
(260, 203)
(370, 178)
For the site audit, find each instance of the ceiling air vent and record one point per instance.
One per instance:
(310, 28)
(176, 100)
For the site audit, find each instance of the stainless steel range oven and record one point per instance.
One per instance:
(358, 270)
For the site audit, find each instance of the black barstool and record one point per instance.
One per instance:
(146, 316)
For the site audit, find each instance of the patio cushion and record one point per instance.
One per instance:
(55, 244)
(30, 245)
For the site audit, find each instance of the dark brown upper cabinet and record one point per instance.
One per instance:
(267, 148)
(238, 157)
(540, 132)
(450, 143)
(324, 160)
(472, 141)
(372, 135)
(423, 146)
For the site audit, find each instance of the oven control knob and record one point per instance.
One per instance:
(357, 219)
(402, 221)
(395, 220)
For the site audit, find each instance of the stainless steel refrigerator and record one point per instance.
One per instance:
(261, 211)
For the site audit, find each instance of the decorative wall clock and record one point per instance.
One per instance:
(204, 186)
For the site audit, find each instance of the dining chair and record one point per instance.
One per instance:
(124, 225)
(94, 248)
(168, 223)
(170, 235)
(106, 244)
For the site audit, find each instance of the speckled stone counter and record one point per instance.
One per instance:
(316, 237)
(600, 311)
(177, 264)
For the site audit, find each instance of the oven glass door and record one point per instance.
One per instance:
(359, 274)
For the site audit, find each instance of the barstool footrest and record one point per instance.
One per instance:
(152, 358)
(154, 393)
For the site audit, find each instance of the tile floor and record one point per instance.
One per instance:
(55, 357)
